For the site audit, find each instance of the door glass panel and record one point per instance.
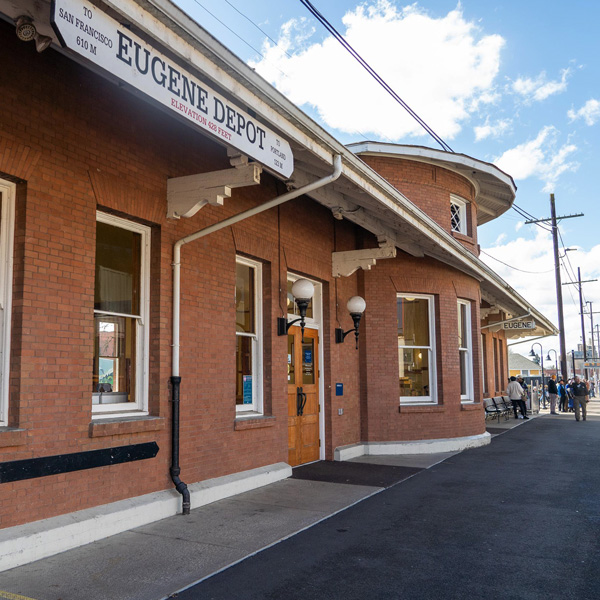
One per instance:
(290, 361)
(308, 361)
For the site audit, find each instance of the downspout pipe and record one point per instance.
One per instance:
(175, 470)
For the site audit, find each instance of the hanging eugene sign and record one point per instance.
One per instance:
(94, 35)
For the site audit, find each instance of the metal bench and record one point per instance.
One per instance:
(491, 410)
(505, 409)
(506, 403)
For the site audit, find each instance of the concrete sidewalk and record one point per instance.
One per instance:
(155, 561)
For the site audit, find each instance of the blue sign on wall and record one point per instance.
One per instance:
(247, 389)
(339, 389)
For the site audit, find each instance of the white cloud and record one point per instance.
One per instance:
(491, 129)
(540, 88)
(589, 112)
(443, 68)
(541, 158)
(535, 254)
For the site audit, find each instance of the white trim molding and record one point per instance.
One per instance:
(413, 447)
(7, 229)
(26, 543)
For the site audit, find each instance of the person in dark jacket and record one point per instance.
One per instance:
(553, 393)
(563, 399)
(580, 392)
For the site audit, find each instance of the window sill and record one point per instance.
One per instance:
(253, 422)
(125, 426)
(470, 405)
(421, 408)
(11, 436)
(462, 236)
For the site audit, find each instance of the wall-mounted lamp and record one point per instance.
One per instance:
(356, 307)
(303, 291)
(27, 32)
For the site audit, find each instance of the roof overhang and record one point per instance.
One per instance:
(494, 190)
(365, 197)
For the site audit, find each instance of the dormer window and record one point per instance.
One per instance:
(458, 215)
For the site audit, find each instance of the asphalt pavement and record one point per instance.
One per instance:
(519, 518)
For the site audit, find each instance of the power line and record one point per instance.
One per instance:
(515, 268)
(239, 37)
(257, 26)
(374, 74)
(252, 47)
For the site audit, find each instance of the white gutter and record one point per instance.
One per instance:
(337, 171)
(166, 22)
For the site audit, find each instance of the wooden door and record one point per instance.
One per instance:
(303, 396)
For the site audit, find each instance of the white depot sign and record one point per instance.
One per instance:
(88, 31)
(517, 325)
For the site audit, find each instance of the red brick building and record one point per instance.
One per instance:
(138, 354)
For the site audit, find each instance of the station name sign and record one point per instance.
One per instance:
(517, 325)
(91, 33)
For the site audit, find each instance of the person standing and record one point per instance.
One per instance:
(579, 389)
(553, 393)
(515, 394)
(563, 401)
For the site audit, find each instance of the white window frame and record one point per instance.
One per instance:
(484, 367)
(7, 228)
(432, 354)
(139, 407)
(461, 205)
(256, 408)
(467, 351)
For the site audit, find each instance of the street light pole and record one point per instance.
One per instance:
(592, 319)
(532, 353)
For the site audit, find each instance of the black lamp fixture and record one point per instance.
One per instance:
(356, 307)
(303, 291)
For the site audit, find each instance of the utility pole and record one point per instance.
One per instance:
(578, 283)
(559, 300)
(591, 313)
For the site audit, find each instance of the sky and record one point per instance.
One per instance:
(515, 83)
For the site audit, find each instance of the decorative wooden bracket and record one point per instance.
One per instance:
(344, 264)
(187, 195)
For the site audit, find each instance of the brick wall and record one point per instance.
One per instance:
(76, 143)
(429, 187)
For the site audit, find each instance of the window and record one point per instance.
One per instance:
(248, 322)
(7, 217)
(121, 312)
(416, 350)
(465, 351)
(458, 215)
